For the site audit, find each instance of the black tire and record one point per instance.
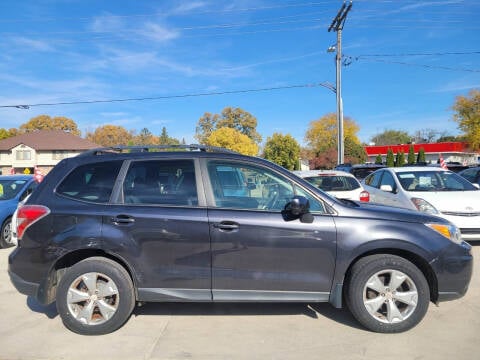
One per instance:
(387, 293)
(6, 234)
(103, 292)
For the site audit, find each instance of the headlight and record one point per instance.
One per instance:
(424, 206)
(451, 232)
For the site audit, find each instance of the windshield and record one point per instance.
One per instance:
(433, 181)
(10, 188)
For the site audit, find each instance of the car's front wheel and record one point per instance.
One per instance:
(387, 293)
(95, 296)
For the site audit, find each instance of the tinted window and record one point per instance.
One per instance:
(387, 179)
(374, 179)
(161, 182)
(264, 190)
(10, 188)
(91, 182)
(334, 183)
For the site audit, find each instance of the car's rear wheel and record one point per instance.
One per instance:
(387, 293)
(6, 234)
(95, 296)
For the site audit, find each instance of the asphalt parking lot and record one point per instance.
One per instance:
(237, 331)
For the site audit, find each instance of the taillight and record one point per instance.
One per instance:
(28, 215)
(364, 196)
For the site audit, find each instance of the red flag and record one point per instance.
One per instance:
(442, 163)
(38, 175)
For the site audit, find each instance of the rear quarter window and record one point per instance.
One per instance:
(91, 182)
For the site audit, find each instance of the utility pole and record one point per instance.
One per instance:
(337, 25)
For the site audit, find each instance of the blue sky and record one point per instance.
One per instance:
(84, 50)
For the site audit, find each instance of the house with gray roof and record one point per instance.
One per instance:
(41, 149)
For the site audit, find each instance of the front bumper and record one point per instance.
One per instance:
(454, 272)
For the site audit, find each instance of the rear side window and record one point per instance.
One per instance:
(91, 182)
(161, 182)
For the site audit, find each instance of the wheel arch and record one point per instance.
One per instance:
(417, 260)
(47, 291)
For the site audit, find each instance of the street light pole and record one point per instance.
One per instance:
(340, 137)
(337, 25)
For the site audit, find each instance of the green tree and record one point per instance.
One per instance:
(145, 137)
(321, 137)
(235, 118)
(400, 160)
(283, 150)
(164, 139)
(411, 155)
(45, 122)
(110, 135)
(391, 137)
(232, 139)
(421, 156)
(4, 133)
(379, 160)
(390, 158)
(467, 115)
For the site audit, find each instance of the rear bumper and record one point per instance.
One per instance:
(23, 286)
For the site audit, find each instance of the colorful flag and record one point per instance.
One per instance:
(442, 163)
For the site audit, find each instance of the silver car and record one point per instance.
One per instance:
(431, 190)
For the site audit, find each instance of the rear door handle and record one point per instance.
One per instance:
(226, 225)
(122, 219)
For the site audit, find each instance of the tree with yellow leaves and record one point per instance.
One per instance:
(232, 139)
(46, 122)
(467, 115)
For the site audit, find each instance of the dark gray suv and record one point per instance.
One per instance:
(113, 227)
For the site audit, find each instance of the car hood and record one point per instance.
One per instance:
(384, 212)
(451, 201)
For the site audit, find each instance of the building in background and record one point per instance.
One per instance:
(452, 152)
(39, 151)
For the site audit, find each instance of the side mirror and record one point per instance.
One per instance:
(299, 207)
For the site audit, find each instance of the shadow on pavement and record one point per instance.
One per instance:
(49, 310)
(313, 311)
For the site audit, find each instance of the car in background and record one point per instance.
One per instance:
(360, 171)
(13, 189)
(430, 190)
(340, 184)
(471, 174)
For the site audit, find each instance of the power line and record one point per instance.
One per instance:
(412, 64)
(217, 11)
(227, 92)
(421, 54)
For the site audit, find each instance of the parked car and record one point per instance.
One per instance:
(13, 188)
(337, 183)
(430, 190)
(360, 171)
(108, 229)
(471, 174)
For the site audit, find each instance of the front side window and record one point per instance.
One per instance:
(91, 182)
(161, 182)
(242, 186)
(374, 179)
(387, 179)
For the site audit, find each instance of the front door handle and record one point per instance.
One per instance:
(226, 225)
(122, 219)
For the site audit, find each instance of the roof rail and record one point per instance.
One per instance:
(154, 148)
